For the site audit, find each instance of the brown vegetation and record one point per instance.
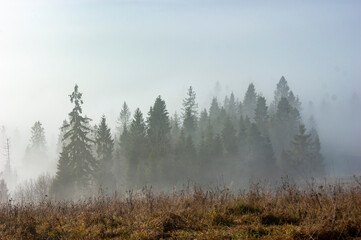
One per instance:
(318, 211)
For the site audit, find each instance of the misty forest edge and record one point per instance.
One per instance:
(233, 141)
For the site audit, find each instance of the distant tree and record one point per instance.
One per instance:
(304, 158)
(81, 162)
(259, 154)
(214, 110)
(284, 126)
(294, 101)
(38, 137)
(158, 132)
(104, 149)
(229, 137)
(175, 127)
(190, 113)
(283, 91)
(203, 121)
(261, 115)
(249, 102)
(124, 118)
(137, 149)
(185, 159)
(35, 158)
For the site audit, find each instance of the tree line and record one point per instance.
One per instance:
(233, 138)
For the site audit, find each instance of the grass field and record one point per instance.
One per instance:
(317, 211)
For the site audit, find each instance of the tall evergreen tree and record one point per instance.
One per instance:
(137, 149)
(175, 127)
(249, 102)
(104, 148)
(284, 126)
(229, 137)
(124, 118)
(259, 154)
(81, 162)
(214, 110)
(35, 159)
(203, 121)
(190, 113)
(158, 132)
(37, 140)
(304, 157)
(261, 115)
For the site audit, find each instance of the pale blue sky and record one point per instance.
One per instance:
(136, 50)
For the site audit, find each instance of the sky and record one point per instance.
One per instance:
(135, 50)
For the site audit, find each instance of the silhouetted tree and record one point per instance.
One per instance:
(104, 149)
(249, 102)
(158, 132)
(190, 113)
(81, 162)
(137, 150)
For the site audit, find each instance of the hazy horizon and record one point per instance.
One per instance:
(133, 51)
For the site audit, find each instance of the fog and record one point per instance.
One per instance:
(133, 51)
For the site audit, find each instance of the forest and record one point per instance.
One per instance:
(231, 142)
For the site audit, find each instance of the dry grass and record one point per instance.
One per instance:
(315, 212)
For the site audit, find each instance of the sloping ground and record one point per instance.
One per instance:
(316, 212)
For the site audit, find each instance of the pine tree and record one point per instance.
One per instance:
(261, 115)
(229, 137)
(203, 121)
(175, 127)
(104, 149)
(259, 154)
(36, 154)
(214, 110)
(190, 113)
(249, 102)
(37, 141)
(137, 149)
(81, 162)
(284, 126)
(124, 118)
(232, 107)
(158, 132)
(282, 91)
(304, 157)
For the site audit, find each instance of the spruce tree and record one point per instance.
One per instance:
(249, 102)
(304, 156)
(77, 151)
(261, 115)
(190, 113)
(284, 126)
(104, 149)
(137, 149)
(36, 154)
(259, 154)
(203, 121)
(124, 118)
(229, 137)
(158, 132)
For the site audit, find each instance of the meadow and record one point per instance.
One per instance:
(315, 210)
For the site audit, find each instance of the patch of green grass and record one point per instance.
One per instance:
(241, 209)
